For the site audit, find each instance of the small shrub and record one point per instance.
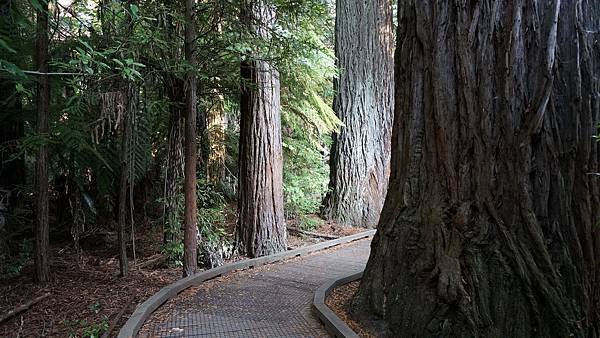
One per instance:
(87, 329)
(309, 223)
(211, 227)
(174, 252)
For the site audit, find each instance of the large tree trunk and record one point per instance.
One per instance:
(261, 225)
(42, 233)
(488, 228)
(175, 90)
(175, 162)
(190, 239)
(364, 103)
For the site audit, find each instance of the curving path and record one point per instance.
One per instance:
(270, 301)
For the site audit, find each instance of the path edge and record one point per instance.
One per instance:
(334, 324)
(144, 310)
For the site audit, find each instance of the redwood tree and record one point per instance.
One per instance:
(261, 225)
(364, 103)
(489, 226)
(190, 239)
(174, 162)
(42, 237)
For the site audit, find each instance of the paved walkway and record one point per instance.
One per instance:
(270, 301)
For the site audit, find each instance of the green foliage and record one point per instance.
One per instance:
(95, 307)
(305, 178)
(309, 223)
(307, 67)
(101, 49)
(211, 213)
(210, 220)
(174, 252)
(87, 329)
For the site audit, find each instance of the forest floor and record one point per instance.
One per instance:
(86, 294)
(340, 301)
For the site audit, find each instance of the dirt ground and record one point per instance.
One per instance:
(86, 293)
(340, 301)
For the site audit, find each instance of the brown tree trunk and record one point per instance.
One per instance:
(175, 162)
(261, 226)
(190, 239)
(364, 103)
(42, 236)
(488, 228)
(127, 158)
(125, 180)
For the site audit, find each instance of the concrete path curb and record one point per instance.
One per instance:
(144, 310)
(333, 324)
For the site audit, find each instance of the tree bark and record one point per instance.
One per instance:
(261, 225)
(488, 228)
(127, 159)
(42, 233)
(359, 163)
(125, 179)
(175, 161)
(190, 239)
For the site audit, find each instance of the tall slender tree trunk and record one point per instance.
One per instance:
(489, 226)
(190, 236)
(129, 93)
(261, 225)
(42, 233)
(364, 103)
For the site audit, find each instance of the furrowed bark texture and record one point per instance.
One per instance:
(190, 235)
(261, 225)
(174, 88)
(175, 162)
(42, 231)
(364, 103)
(489, 226)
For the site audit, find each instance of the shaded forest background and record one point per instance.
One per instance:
(118, 75)
(96, 46)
